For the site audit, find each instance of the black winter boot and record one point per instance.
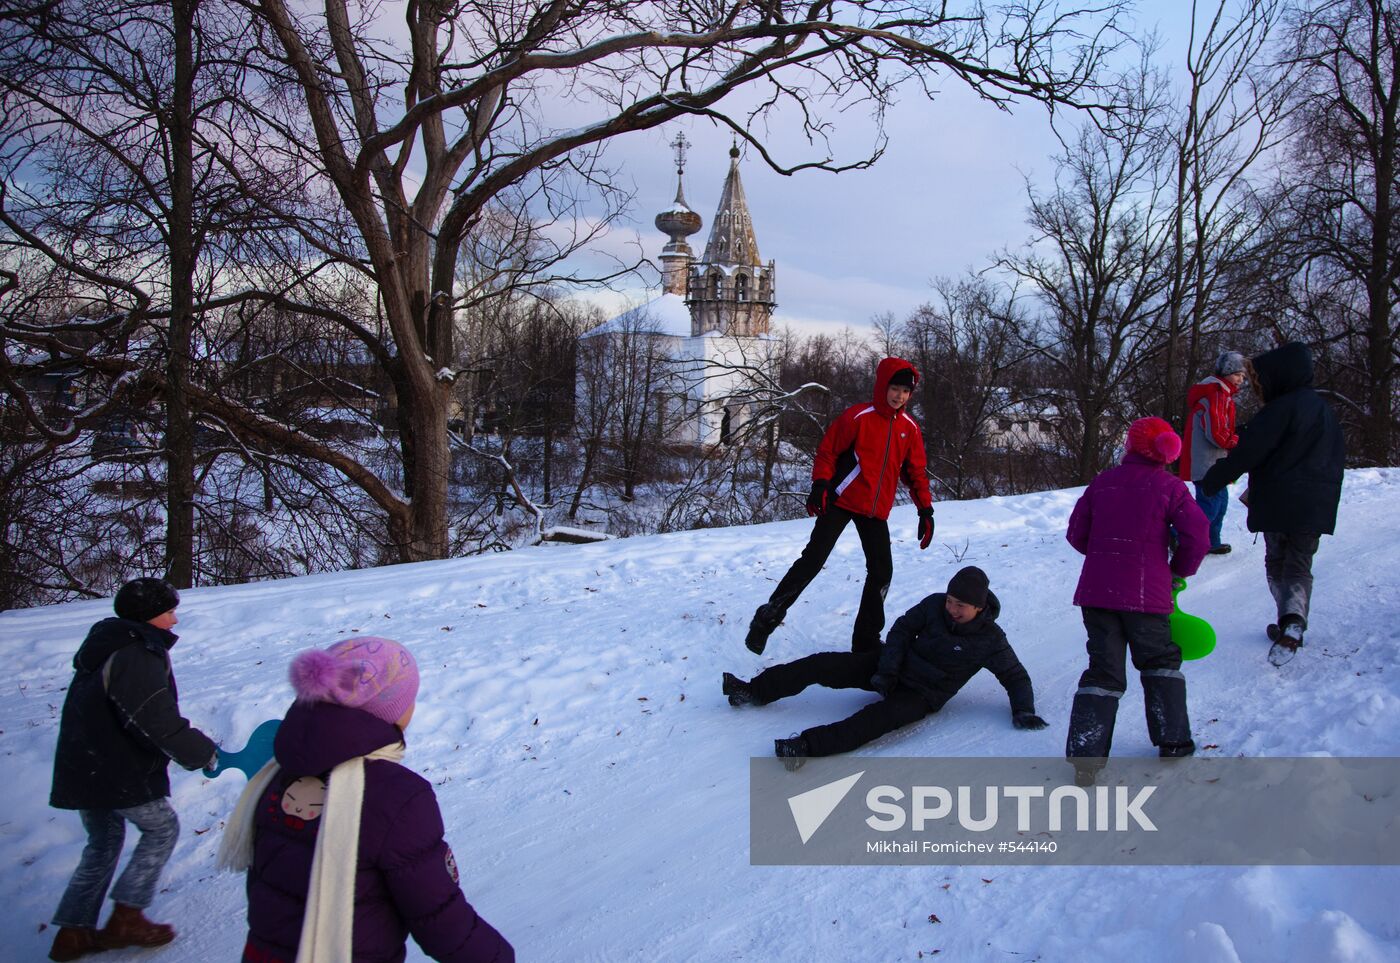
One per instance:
(738, 691)
(1091, 719)
(765, 619)
(1168, 725)
(793, 752)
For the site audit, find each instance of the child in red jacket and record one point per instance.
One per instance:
(1210, 433)
(854, 476)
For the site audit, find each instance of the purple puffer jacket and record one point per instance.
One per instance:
(1120, 526)
(406, 881)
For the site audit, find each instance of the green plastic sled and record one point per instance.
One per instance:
(1193, 635)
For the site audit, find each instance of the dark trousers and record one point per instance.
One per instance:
(106, 829)
(841, 670)
(1288, 558)
(1112, 635)
(879, 569)
(1214, 508)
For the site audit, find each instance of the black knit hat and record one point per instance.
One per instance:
(969, 585)
(904, 378)
(142, 599)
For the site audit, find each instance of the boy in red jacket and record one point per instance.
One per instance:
(1210, 433)
(854, 476)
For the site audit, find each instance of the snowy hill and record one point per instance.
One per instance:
(595, 783)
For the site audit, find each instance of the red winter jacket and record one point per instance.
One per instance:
(869, 447)
(1210, 405)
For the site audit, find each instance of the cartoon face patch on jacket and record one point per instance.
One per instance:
(303, 800)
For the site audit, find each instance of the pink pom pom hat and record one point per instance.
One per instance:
(375, 675)
(1153, 438)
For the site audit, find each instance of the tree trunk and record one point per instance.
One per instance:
(179, 425)
(426, 477)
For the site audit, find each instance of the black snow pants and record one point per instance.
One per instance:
(879, 569)
(842, 670)
(1112, 635)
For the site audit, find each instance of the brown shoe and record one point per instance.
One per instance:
(128, 926)
(72, 942)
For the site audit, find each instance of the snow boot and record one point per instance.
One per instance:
(738, 691)
(1290, 631)
(1168, 725)
(793, 752)
(1222, 549)
(128, 926)
(1084, 776)
(1091, 719)
(72, 942)
(765, 619)
(1287, 637)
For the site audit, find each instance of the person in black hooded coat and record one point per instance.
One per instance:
(1294, 454)
(121, 725)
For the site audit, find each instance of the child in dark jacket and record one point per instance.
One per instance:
(120, 728)
(1294, 454)
(1121, 525)
(343, 845)
(930, 653)
(858, 465)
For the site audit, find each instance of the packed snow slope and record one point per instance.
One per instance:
(595, 783)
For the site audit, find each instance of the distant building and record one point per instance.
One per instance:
(711, 320)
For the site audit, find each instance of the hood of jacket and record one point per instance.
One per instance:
(1283, 370)
(111, 634)
(884, 371)
(315, 737)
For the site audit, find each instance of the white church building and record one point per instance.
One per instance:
(711, 320)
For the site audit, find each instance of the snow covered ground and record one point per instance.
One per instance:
(595, 783)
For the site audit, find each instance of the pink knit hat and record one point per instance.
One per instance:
(375, 675)
(1153, 438)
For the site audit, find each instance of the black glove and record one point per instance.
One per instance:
(1027, 720)
(883, 683)
(925, 527)
(819, 499)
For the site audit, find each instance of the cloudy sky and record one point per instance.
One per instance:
(949, 192)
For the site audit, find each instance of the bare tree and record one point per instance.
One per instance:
(1096, 265)
(114, 112)
(1346, 152)
(490, 105)
(967, 347)
(1233, 116)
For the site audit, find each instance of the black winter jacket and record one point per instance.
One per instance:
(930, 653)
(1292, 450)
(121, 721)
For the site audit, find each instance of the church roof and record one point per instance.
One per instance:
(665, 314)
(732, 239)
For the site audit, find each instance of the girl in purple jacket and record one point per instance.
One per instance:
(343, 845)
(1122, 526)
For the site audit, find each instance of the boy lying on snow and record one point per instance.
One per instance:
(929, 654)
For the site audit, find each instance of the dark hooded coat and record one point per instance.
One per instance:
(121, 722)
(927, 651)
(1292, 450)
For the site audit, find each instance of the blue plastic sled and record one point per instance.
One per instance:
(251, 757)
(1192, 634)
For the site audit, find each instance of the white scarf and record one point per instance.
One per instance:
(327, 928)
